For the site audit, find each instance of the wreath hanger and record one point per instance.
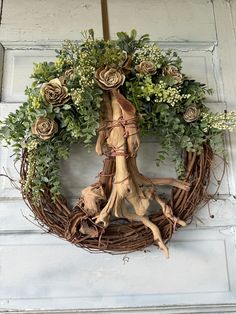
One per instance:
(105, 20)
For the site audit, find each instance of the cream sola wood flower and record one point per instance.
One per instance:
(126, 63)
(109, 78)
(146, 67)
(191, 114)
(44, 128)
(172, 71)
(55, 93)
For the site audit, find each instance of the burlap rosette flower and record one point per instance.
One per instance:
(146, 67)
(55, 93)
(191, 114)
(109, 78)
(172, 71)
(44, 128)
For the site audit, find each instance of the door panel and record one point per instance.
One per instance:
(105, 281)
(18, 66)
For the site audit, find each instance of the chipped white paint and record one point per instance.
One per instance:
(41, 272)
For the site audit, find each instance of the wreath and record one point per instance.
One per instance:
(115, 92)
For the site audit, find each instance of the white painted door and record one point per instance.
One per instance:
(39, 271)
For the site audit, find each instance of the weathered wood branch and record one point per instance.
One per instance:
(119, 140)
(105, 117)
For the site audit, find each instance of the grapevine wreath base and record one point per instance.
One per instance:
(115, 91)
(127, 231)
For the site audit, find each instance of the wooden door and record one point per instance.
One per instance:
(39, 271)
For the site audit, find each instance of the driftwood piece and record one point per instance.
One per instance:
(93, 196)
(105, 117)
(121, 185)
(130, 123)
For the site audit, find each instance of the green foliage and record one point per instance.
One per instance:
(197, 91)
(44, 72)
(161, 100)
(130, 43)
(171, 58)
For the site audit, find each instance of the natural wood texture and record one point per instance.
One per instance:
(105, 20)
(105, 118)
(119, 139)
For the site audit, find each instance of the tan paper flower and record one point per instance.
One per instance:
(126, 63)
(55, 93)
(146, 67)
(69, 74)
(172, 71)
(191, 114)
(109, 78)
(44, 128)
